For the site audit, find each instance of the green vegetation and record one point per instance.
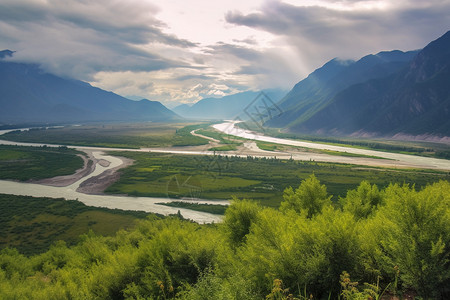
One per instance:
(261, 179)
(183, 136)
(229, 142)
(216, 209)
(25, 163)
(268, 146)
(117, 135)
(230, 147)
(222, 137)
(396, 244)
(32, 224)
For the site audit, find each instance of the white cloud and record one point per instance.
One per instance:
(181, 51)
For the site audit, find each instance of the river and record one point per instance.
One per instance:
(148, 204)
(391, 159)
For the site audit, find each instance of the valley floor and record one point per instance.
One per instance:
(88, 183)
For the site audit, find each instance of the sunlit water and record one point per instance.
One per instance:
(400, 159)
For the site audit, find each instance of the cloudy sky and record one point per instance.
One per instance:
(179, 51)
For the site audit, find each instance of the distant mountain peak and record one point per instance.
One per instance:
(31, 95)
(6, 53)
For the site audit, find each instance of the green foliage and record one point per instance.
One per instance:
(362, 201)
(399, 243)
(308, 199)
(278, 293)
(238, 218)
(412, 235)
(350, 289)
(213, 286)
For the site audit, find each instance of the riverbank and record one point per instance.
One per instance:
(392, 160)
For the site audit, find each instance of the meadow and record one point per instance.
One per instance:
(25, 163)
(260, 179)
(115, 135)
(33, 224)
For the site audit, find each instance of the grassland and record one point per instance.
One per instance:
(117, 135)
(222, 137)
(264, 180)
(32, 224)
(25, 163)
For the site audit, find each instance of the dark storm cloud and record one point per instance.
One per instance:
(81, 38)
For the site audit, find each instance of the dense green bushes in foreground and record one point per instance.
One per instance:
(396, 239)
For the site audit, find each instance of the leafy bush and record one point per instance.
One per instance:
(395, 239)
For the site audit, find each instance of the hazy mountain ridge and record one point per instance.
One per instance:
(227, 107)
(30, 95)
(413, 101)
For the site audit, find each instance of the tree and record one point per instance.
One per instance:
(239, 216)
(362, 201)
(309, 198)
(412, 233)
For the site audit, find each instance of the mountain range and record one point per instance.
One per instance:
(388, 94)
(227, 107)
(30, 95)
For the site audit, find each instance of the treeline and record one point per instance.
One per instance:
(393, 242)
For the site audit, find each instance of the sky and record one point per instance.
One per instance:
(179, 51)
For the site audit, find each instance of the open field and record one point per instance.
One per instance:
(32, 224)
(261, 179)
(33, 163)
(117, 135)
